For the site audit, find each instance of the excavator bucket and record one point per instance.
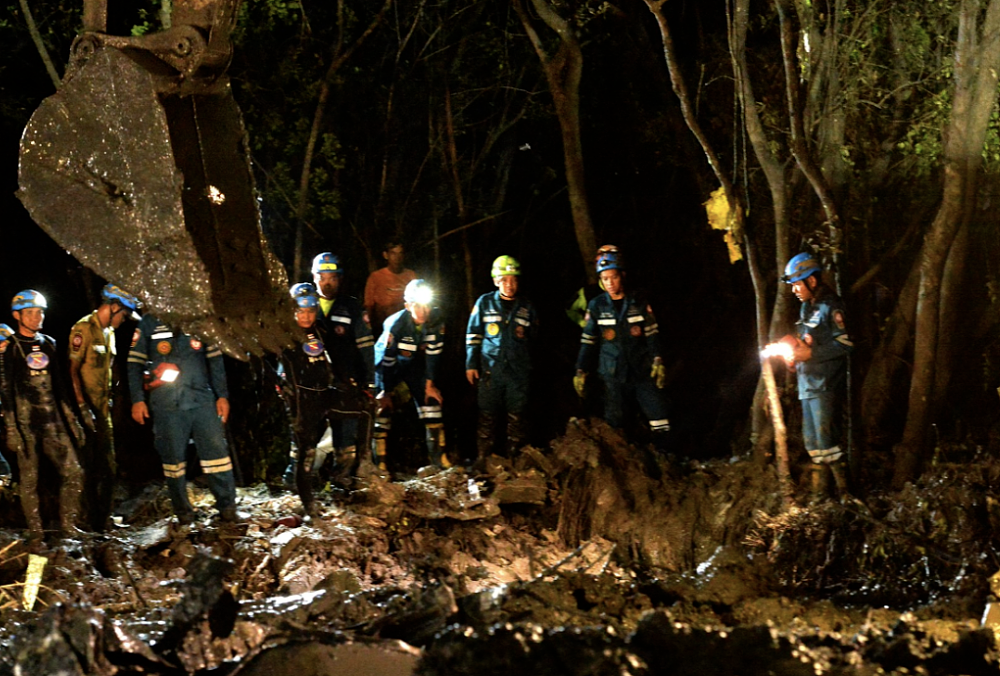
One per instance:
(144, 176)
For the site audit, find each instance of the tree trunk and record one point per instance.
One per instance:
(977, 59)
(800, 149)
(563, 72)
(687, 110)
(776, 181)
(876, 393)
(951, 291)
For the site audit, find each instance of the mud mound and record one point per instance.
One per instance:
(590, 557)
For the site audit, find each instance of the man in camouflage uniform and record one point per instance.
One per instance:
(91, 359)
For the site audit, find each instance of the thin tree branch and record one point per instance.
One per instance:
(43, 51)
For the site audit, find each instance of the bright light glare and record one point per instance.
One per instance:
(783, 350)
(423, 295)
(169, 375)
(215, 196)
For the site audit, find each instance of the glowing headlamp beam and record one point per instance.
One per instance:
(422, 296)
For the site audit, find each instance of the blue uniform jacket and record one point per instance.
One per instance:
(308, 364)
(624, 342)
(821, 325)
(202, 377)
(349, 340)
(498, 338)
(405, 352)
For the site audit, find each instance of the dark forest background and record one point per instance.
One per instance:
(437, 125)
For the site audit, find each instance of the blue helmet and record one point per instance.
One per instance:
(112, 293)
(5, 332)
(305, 295)
(800, 267)
(610, 260)
(326, 262)
(28, 298)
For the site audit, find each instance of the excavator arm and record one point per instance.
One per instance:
(139, 166)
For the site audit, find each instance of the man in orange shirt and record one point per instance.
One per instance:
(384, 290)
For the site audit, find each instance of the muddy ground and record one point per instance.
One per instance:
(587, 557)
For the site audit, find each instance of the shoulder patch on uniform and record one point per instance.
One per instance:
(586, 317)
(838, 318)
(76, 341)
(136, 336)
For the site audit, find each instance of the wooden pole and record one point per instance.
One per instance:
(780, 433)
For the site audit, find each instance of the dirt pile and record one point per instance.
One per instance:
(588, 557)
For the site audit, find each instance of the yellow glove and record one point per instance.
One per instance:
(579, 381)
(659, 373)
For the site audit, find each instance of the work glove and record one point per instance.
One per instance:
(88, 419)
(579, 382)
(659, 374)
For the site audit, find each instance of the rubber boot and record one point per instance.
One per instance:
(516, 435)
(661, 442)
(818, 483)
(304, 479)
(28, 490)
(293, 467)
(70, 490)
(485, 428)
(177, 490)
(840, 478)
(379, 455)
(436, 446)
(289, 476)
(346, 465)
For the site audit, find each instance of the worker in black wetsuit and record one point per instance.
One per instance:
(37, 413)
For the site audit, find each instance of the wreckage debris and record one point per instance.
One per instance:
(408, 585)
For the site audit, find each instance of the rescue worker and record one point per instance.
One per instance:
(5, 474)
(577, 311)
(313, 393)
(91, 359)
(385, 286)
(188, 399)
(498, 340)
(820, 350)
(621, 334)
(350, 346)
(409, 353)
(38, 415)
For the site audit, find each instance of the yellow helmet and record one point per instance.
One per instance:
(506, 265)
